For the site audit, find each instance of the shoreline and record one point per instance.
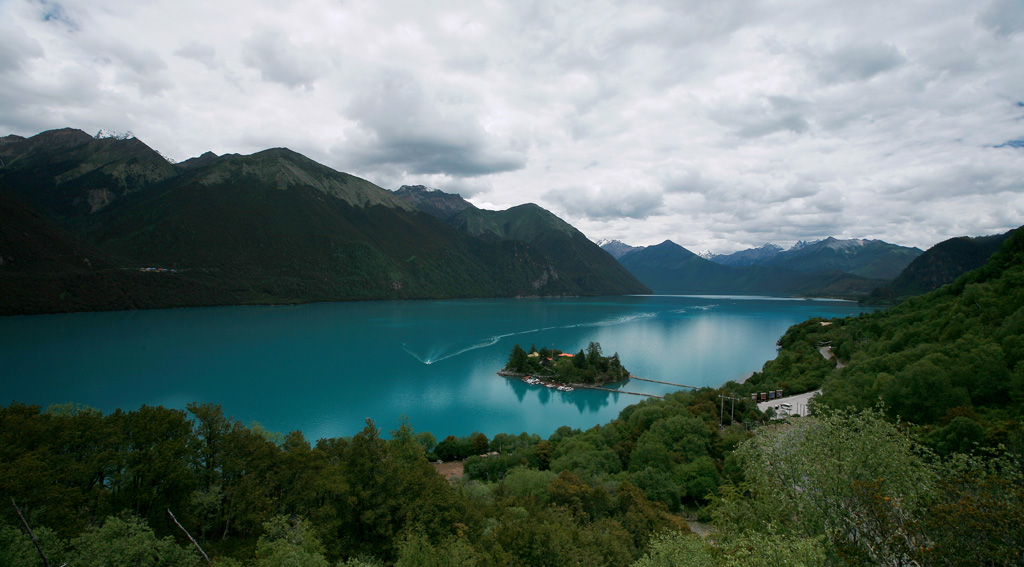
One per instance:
(742, 380)
(542, 382)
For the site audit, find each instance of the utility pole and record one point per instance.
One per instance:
(721, 413)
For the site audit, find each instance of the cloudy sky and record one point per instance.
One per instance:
(717, 124)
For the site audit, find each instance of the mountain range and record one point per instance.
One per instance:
(92, 223)
(842, 268)
(106, 222)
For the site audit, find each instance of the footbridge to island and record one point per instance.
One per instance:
(510, 374)
(662, 382)
(632, 377)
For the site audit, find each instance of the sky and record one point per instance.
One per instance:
(720, 125)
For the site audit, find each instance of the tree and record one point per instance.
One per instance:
(673, 440)
(158, 457)
(416, 550)
(698, 478)
(570, 491)
(478, 443)
(127, 541)
(289, 542)
(391, 487)
(579, 360)
(211, 429)
(452, 448)
(672, 549)
(962, 435)
(17, 549)
(426, 440)
(517, 359)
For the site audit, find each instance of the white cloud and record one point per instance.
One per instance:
(720, 125)
(854, 62)
(199, 51)
(406, 127)
(608, 202)
(1003, 17)
(17, 49)
(280, 60)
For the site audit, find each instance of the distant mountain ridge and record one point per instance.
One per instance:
(670, 268)
(839, 268)
(83, 217)
(747, 257)
(865, 258)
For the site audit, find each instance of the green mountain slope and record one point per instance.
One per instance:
(939, 265)
(271, 227)
(579, 260)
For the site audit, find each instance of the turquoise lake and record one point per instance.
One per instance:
(324, 368)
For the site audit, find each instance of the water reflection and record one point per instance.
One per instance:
(585, 400)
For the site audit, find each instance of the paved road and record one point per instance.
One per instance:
(798, 403)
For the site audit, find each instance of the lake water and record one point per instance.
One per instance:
(324, 368)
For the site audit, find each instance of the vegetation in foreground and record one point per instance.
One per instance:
(914, 458)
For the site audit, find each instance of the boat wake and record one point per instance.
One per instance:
(437, 354)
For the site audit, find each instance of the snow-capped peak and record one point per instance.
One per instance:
(846, 244)
(104, 133)
(706, 254)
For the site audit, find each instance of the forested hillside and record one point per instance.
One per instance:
(953, 355)
(939, 265)
(97, 224)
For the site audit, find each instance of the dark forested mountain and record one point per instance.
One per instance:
(939, 265)
(110, 224)
(69, 174)
(579, 259)
(668, 267)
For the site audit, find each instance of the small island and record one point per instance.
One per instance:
(553, 367)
